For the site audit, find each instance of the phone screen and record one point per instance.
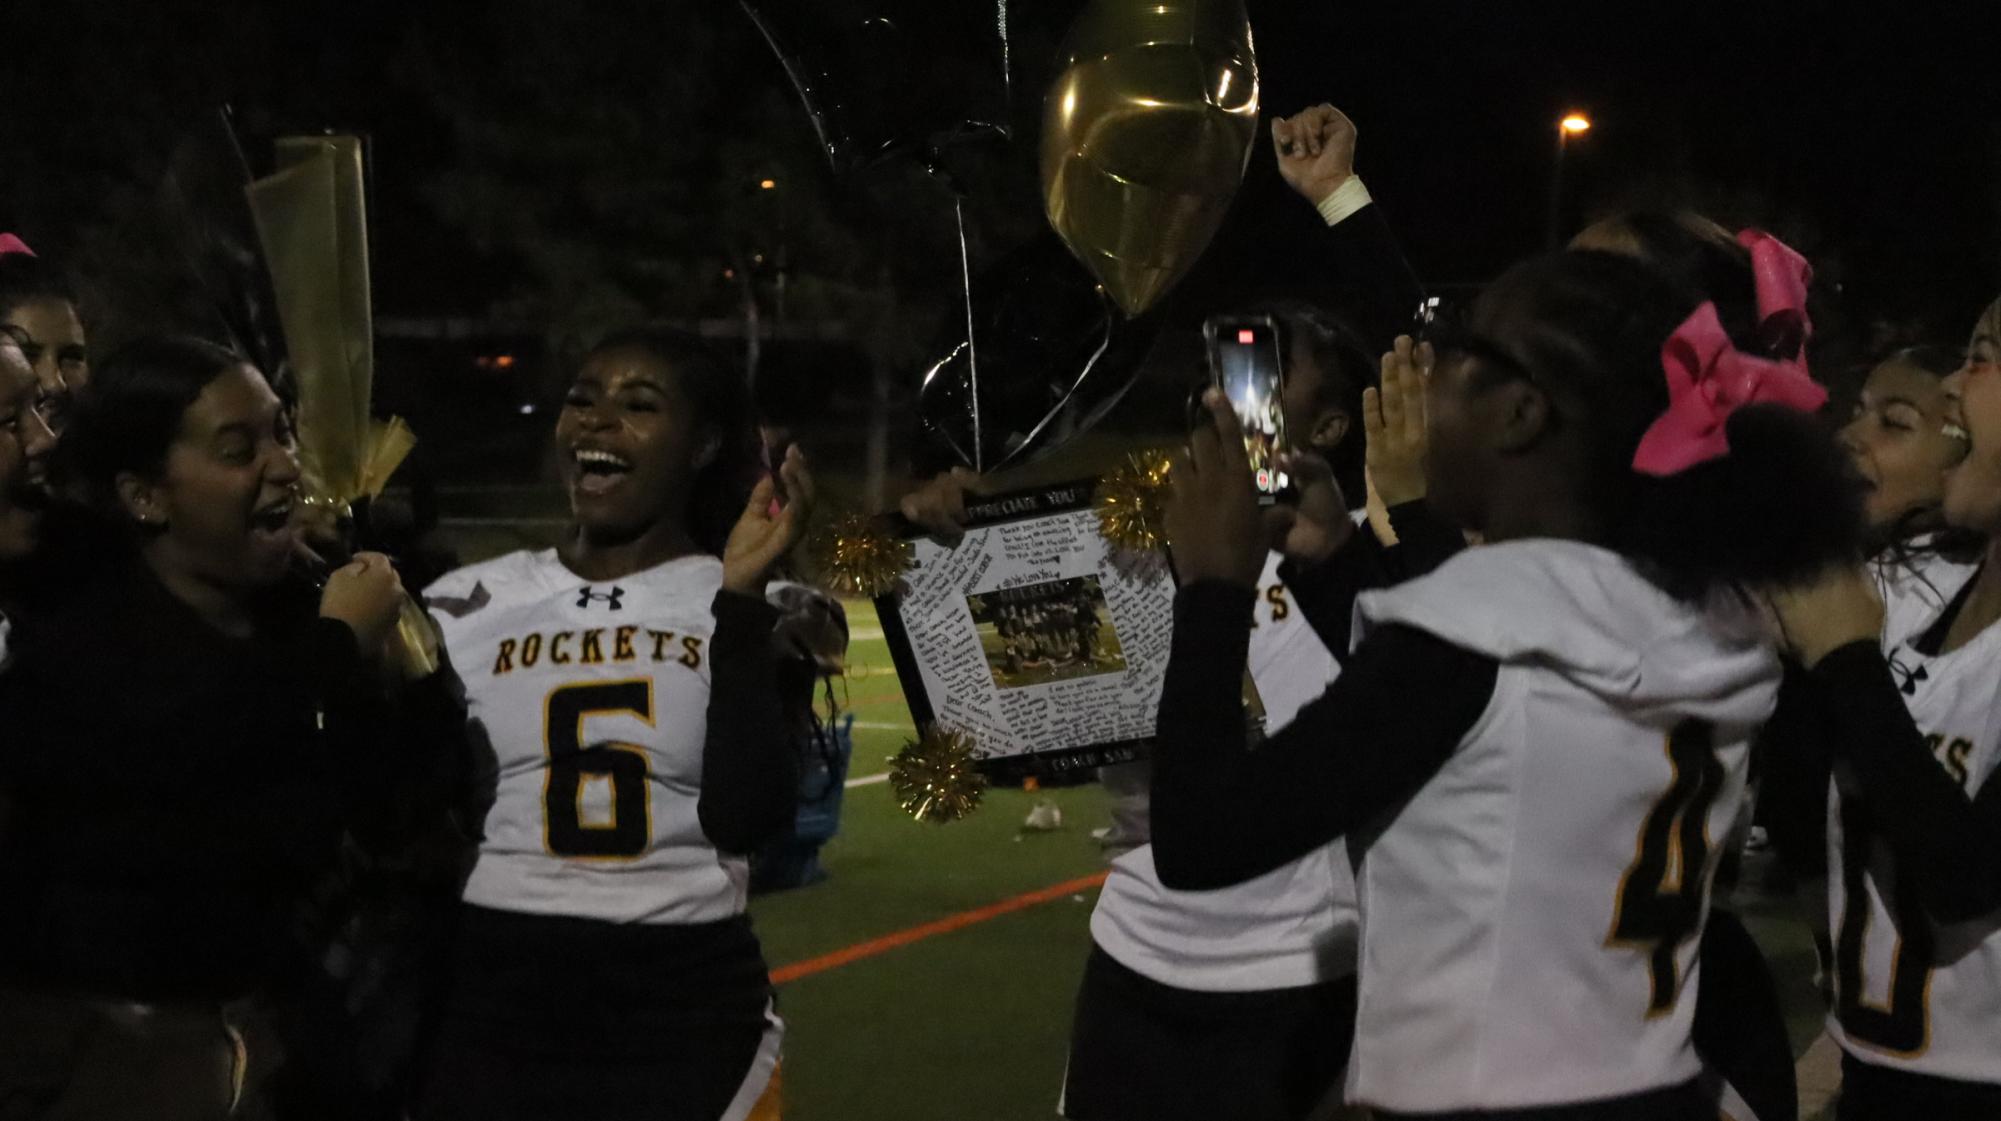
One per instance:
(1244, 363)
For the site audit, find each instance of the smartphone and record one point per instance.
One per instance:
(1425, 319)
(1245, 363)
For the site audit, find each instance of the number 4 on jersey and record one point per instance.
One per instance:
(1661, 897)
(630, 829)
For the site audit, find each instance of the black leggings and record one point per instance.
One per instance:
(554, 1017)
(1676, 1103)
(1740, 1029)
(1876, 1093)
(1144, 1051)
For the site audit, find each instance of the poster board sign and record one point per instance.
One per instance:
(1027, 638)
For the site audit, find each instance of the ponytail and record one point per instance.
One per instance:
(1780, 506)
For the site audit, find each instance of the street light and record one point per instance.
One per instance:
(772, 184)
(1572, 124)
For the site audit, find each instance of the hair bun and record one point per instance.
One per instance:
(1782, 505)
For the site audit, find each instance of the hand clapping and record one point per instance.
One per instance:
(1394, 420)
(761, 536)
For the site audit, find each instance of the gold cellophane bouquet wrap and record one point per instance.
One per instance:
(312, 218)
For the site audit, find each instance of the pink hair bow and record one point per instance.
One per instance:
(1781, 276)
(9, 244)
(1708, 378)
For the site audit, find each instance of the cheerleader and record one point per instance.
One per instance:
(1902, 451)
(1761, 290)
(1898, 440)
(1531, 747)
(1231, 1003)
(1914, 730)
(1238, 1002)
(626, 680)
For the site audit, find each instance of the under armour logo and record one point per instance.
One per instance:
(585, 595)
(1910, 676)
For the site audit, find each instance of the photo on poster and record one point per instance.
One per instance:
(1043, 633)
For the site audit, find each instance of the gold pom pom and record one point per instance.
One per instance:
(857, 555)
(935, 778)
(1131, 503)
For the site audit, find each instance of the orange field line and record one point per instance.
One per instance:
(946, 925)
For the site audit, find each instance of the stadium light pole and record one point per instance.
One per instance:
(1572, 124)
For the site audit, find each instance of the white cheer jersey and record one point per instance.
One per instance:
(1915, 589)
(1913, 994)
(595, 697)
(1290, 927)
(1530, 918)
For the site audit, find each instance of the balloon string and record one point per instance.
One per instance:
(1063, 406)
(1007, 63)
(972, 347)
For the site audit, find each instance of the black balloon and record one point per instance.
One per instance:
(882, 78)
(208, 216)
(1055, 354)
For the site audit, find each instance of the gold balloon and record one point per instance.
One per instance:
(1145, 136)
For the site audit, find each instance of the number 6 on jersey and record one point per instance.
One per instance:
(573, 768)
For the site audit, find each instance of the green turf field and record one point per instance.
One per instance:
(973, 1024)
(968, 1024)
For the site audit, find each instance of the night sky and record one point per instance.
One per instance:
(1868, 134)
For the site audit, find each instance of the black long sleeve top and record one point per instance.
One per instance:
(1424, 541)
(1791, 764)
(1944, 841)
(750, 772)
(1372, 281)
(1224, 812)
(175, 791)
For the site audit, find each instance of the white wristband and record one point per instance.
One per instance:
(1345, 200)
